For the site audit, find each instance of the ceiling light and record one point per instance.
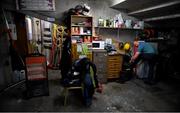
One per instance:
(120, 1)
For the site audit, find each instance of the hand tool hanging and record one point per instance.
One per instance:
(16, 60)
(58, 32)
(46, 39)
(37, 35)
(29, 28)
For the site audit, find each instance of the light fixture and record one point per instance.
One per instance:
(116, 2)
(120, 1)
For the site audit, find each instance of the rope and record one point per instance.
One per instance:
(58, 33)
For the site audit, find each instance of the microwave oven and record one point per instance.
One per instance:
(98, 44)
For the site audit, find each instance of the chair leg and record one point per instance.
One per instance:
(66, 92)
(65, 96)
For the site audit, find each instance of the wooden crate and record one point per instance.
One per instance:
(114, 65)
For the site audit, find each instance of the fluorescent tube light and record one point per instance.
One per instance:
(120, 1)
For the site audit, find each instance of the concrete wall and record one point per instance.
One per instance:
(5, 65)
(99, 8)
(118, 34)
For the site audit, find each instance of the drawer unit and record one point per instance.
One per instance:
(114, 65)
(100, 60)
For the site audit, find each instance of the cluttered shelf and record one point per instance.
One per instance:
(81, 34)
(80, 26)
(101, 27)
(80, 16)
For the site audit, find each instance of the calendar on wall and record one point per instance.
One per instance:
(35, 5)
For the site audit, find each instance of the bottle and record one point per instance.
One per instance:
(105, 23)
(100, 22)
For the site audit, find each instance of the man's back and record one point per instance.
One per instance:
(145, 48)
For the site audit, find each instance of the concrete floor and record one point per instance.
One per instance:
(134, 95)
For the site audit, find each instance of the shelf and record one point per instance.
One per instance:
(117, 28)
(88, 43)
(130, 5)
(150, 10)
(81, 35)
(81, 16)
(80, 26)
(160, 11)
